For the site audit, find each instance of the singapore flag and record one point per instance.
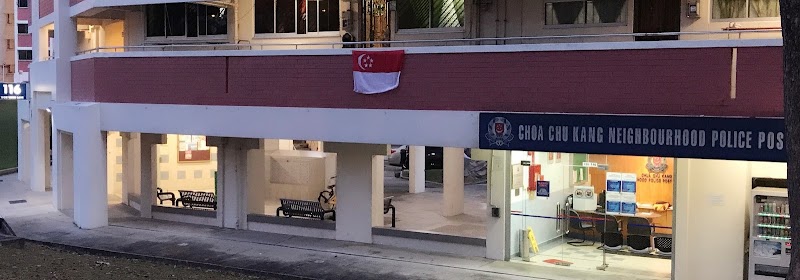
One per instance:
(376, 72)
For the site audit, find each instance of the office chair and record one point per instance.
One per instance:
(663, 245)
(576, 223)
(610, 233)
(639, 233)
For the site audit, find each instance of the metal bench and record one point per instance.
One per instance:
(303, 208)
(387, 206)
(194, 199)
(165, 196)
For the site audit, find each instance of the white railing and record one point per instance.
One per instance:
(726, 34)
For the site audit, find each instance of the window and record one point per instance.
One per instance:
(723, 9)
(22, 3)
(22, 28)
(430, 13)
(25, 54)
(296, 16)
(185, 20)
(585, 12)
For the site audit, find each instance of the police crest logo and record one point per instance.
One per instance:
(499, 132)
(656, 164)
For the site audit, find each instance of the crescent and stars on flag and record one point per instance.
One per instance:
(376, 71)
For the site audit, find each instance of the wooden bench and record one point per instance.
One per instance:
(303, 208)
(194, 199)
(387, 206)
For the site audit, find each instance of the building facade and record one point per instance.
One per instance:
(22, 40)
(207, 99)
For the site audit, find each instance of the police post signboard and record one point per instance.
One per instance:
(14, 91)
(757, 139)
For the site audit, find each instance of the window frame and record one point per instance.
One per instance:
(625, 16)
(19, 55)
(274, 35)
(27, 4)
(27, 28)
(217, 38)
(430, 30)
(745, 19)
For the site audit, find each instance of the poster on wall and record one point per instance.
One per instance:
(543, 188)
(193, 148)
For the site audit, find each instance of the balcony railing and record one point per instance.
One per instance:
(619, 37)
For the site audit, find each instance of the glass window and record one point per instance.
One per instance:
(745, 9)
(155, 20)
(25, 54)
(585, 12)
(22, 3)
(328, 15)
(265, 16)
(22, 28)
(430, 13)
(296, 16)
(176, 19)
(191, 24)
(217, 20)
(182, 19)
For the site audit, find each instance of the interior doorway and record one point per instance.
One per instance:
(656, 16)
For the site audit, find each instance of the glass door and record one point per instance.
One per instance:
(540, 195)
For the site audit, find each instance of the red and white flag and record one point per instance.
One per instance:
(376, 72)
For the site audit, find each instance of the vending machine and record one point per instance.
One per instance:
(770, 245)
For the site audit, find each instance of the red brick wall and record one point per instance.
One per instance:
(24, 14)
(45, 8)
(198, 80)
(83, 79)
(24, 66)
(25, 40)
(661, 81)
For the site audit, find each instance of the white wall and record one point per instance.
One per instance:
(706, 23)
(711, 206)
(425, 128)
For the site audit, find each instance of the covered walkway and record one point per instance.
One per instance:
(269, 253)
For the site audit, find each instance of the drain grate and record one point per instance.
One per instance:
(17, 201)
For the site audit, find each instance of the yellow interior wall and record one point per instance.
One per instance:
(196, 176)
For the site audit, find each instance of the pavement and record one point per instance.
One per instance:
(289, 257)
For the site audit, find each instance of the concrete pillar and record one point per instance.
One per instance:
(377, 190)
(232, 179)
(131, 167)
(66, 44)
(284, 144)
(499, 195)
(453, 179)
(354, 190)
(24, 151)
(416, 166)
(90, 185)
(64, 192)
(40, 152)
(148, 164)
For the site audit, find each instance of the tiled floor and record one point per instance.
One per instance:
(589, 258)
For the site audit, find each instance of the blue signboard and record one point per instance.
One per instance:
(757, 139)
(13, 91)
(543, 188)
